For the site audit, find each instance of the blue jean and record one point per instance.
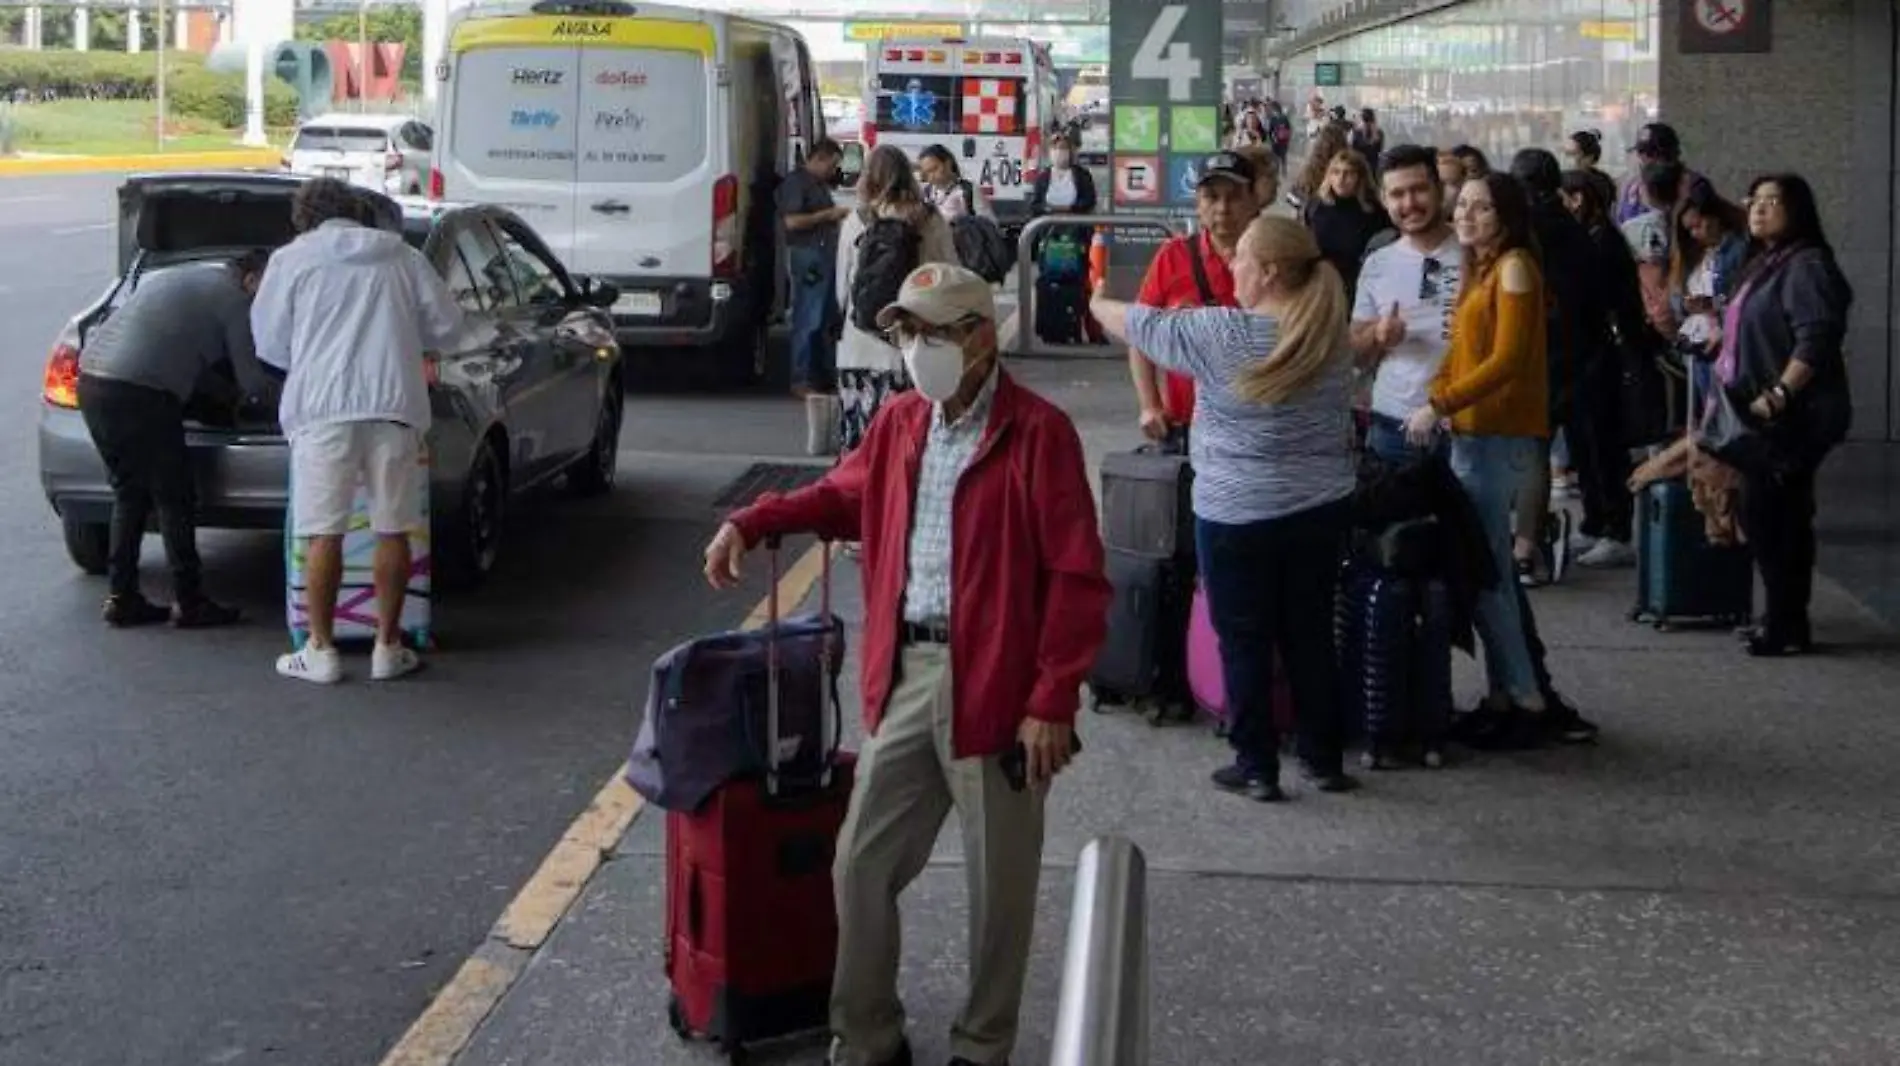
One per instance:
(1385, 438)
(812, 283)
(1271, 585)
(1492, 470)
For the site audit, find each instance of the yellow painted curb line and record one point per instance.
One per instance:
(91, 164)
(461, 1006)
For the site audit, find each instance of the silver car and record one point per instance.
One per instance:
(385, 153)
(540, 399)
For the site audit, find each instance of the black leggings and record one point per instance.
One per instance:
(1778, 517)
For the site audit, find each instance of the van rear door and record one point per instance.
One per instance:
(645, 192)
(971, 97)
(513, 132)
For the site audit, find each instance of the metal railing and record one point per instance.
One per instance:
(1027, 342)
(1102, 1017)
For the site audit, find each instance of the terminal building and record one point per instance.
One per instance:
(1752, 86)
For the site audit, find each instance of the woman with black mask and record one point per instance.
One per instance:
(1783, 379)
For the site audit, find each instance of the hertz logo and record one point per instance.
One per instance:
(584, 28)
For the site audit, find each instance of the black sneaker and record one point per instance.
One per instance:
(1331, 780)
(1251, 783)
(961, 1061)
(124, 612)
(901, 1057)
(204, 614)
(1567, 726)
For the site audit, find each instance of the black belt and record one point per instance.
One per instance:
(925, 633)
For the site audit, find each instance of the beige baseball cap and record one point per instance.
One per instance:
(941, 294)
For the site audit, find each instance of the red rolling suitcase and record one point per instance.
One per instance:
(751, 923)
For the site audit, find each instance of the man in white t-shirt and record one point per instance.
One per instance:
(1401, 319)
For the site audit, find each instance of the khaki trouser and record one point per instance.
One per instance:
(907, 782)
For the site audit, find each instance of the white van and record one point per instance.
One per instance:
(992, 102)
(645, 146)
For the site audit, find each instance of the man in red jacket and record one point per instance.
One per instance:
(984, 605)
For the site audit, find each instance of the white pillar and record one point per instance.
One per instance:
(33, 29)
(226, 26)
(261, 25)
(134, 28)
(82, 28)
(435, 22)
(181, 30)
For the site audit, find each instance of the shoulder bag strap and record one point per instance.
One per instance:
(1203, 287)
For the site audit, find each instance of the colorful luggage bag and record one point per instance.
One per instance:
(1209, 685)
(751, 925)
(1680, 576)
(355, 619)
(1394, 638)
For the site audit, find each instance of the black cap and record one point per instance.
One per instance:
(1660, 140)
(1228, 165)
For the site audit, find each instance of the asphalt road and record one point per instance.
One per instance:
(200, 863)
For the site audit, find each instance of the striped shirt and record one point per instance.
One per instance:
(1252, 462)
(948, 452)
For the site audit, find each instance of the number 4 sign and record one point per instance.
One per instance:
(1162, 58)
(1164, 53)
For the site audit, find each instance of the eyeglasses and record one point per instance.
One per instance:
(909, 330)
(1770, 200)
(1428, 279)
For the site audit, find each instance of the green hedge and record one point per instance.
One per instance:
(190, 90)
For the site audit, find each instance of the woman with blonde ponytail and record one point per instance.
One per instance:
(1273, 479)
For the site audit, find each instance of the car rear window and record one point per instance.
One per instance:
(340, 139)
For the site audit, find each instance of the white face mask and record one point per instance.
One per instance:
(935, 365)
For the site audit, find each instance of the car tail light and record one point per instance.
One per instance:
(392, 160)
(725, 242)
(915, 55)
(435, 184)
(1015, 58)
(868, 134)
(62, 376)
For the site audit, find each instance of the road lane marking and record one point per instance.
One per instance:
(458, 1010)
(94, 227)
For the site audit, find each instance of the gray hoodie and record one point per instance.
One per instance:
(179, 322)
(347, 312)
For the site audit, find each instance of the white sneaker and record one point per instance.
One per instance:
(1581, 543)
(1608, 553)
(391, 661)
(319, 666)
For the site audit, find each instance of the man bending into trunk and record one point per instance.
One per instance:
(348, 311)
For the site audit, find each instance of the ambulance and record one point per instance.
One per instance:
(644, 144)
(992, 102)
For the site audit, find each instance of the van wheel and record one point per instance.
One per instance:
(468, 538)
(742, 361)
(89, 544)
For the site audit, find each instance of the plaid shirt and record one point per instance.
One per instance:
(947, 454)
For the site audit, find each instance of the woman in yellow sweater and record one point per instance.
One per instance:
(1492, 388)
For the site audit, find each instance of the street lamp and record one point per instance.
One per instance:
(362, 56)
(159, 23)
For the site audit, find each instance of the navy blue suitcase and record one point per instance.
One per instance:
(1680, 576)
(1394, 637)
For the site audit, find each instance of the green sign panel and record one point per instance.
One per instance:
(1333, 75)
(1164, 75)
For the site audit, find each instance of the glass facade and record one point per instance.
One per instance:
(1498, 74)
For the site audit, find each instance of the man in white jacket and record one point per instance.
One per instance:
(347, 311)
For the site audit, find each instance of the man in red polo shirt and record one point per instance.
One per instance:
(1226, 205)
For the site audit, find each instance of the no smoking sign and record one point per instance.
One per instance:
(1725, 26)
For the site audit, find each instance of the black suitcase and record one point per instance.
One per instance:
(1061, 304)
(1143, 660)
(1147, 501)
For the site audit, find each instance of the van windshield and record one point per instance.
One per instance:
(340, 139)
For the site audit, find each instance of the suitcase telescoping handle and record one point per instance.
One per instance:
(829, 728)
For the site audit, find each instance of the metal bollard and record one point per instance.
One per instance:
(1102, 1017)
(1027, 343)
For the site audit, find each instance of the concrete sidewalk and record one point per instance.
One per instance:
(1716, 882)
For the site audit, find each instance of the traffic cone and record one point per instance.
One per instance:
(1098, 260)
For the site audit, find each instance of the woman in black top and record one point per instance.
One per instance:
(1782, 370)
(1344, 215)
(1583, 151)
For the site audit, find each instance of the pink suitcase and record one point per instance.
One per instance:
(1204, 672)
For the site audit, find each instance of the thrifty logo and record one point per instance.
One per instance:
(542, 119)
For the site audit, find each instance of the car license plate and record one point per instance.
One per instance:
(339, 173)
(641, 304)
